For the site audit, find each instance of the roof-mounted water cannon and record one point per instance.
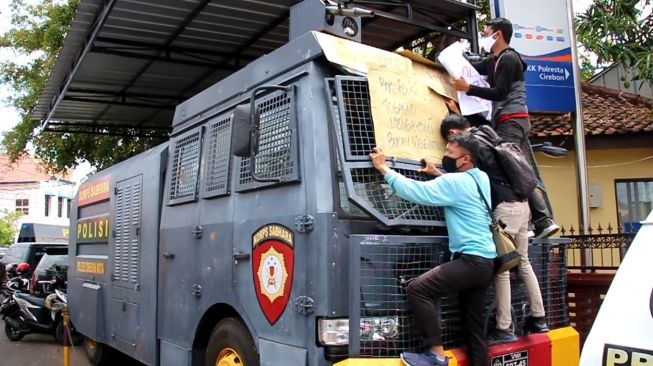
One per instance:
(332, 17)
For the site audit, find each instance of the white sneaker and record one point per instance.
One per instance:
(530, 234)
(549, 230)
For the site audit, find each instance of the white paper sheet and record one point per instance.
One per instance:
(457, 66)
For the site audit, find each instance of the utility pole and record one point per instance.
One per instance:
(579, 132)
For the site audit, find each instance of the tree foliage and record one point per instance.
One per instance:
(8, 227)
(619, 31)
(37, 34)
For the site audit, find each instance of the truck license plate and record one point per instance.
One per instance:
(511, 359)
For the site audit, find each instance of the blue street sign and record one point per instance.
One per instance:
(541, 36)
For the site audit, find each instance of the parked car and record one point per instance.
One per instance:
(31, 232)
(53, 263)
(30, 253)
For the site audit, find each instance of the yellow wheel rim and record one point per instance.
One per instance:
(228, 357)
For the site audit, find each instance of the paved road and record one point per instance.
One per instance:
(37, 350)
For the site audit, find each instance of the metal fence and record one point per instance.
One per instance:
(600, 250)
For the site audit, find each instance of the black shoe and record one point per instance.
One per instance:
(501, 336)
(546, 229)
(535, 325)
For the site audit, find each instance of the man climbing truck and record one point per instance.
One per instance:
(261, 234)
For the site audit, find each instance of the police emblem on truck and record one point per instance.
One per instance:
(273, 253)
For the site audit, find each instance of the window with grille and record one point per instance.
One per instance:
(217, 157)
(22, 205)
(634, 202)
(47, 205)
(184, 167)
(60, 206)
(364, 186)
(277, 154)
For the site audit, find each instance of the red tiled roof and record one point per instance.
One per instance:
(27, 169)
(606, 111)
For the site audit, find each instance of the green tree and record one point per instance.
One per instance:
(8, 228)
(619, 31)
(37, 33)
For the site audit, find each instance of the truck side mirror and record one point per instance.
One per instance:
(244, 139)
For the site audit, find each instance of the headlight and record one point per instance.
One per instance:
(333, 332)
(49, 301)
(379, 328)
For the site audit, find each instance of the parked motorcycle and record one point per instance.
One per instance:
(13, 285)
(25, 314)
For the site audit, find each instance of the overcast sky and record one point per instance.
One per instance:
(9, 117)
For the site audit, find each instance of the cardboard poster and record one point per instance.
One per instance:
(406, 114)
(436, 79)
(434, 75)
(356, 56)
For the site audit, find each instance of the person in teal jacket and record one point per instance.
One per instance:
(471, 268)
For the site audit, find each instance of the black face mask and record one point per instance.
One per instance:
(449, 163)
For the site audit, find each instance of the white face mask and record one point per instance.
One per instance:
(486, 43)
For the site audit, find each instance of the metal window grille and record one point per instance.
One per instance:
(218, 158)
(376, 195)
(126, 251)
(356, 113)
(364, 185)
(277, 153)
(184, 167)
(346, 205)
(386, 264)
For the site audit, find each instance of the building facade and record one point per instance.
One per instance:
(619, 150)
(25, 187)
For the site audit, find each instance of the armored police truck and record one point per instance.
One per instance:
(260, 234)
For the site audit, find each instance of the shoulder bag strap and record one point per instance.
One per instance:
(478, 187)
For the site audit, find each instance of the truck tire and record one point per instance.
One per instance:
(231, 344)
(99, 354)
(14, 334)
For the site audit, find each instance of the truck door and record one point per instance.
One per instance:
(180, 291)
(269, 266)
(124, 306)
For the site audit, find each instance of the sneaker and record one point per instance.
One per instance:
(535, 325)
(530, 234)
(426, 358)
(547, 229)
(501, 336)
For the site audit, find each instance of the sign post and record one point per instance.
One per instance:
(543, 33)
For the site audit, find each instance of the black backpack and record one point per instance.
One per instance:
(510, 158)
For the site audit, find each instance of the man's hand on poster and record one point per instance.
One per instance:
(430, 168)
(452, 105)
(460, 84)
(378, 160)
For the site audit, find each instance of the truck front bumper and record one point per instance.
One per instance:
(559, 347)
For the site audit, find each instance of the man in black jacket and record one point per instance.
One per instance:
(504, 69)
(513, 211)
